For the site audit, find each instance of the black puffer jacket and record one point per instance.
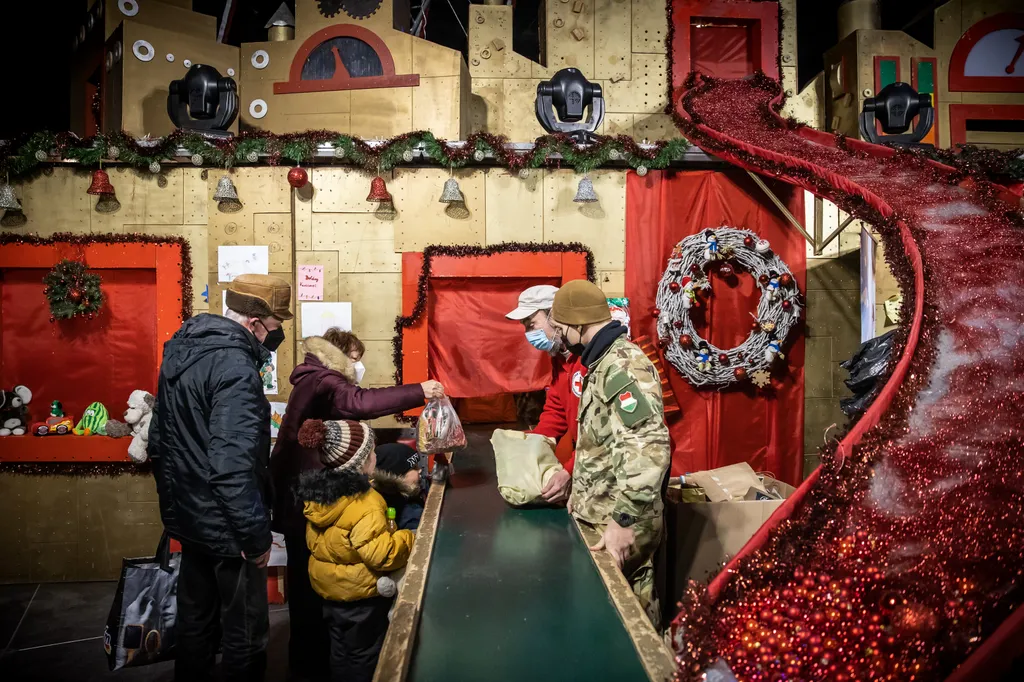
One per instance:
(210, 439)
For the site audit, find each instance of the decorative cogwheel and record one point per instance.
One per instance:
(357, 9)
(761, 378)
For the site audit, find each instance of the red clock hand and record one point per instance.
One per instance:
(1020, 50)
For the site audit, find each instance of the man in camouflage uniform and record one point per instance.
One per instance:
(622, 452)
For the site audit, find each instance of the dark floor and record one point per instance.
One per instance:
(54, 633)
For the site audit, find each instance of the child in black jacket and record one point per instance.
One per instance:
(399, 478)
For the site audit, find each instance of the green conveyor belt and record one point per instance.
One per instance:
(513, 594)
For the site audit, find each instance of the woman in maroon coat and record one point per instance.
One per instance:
(324, 386)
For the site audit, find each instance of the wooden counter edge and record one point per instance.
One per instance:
(655, 656)
(396, 653)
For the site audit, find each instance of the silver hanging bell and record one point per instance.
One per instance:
(226, 196)
(8, 202)
(451, 193)
(585, 193)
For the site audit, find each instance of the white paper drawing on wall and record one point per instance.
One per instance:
(319, 317)
(233, 261)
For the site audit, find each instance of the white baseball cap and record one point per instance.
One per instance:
(540, 297)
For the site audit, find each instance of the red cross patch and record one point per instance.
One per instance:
(577, 384)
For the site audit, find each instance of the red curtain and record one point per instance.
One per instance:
(722, 51)
(472, 348)
(79, 361)
(720, 427)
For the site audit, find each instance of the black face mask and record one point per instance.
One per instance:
(274, 338)
(575, 348)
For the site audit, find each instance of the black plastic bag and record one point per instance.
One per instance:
(140, 627)
(868, 369)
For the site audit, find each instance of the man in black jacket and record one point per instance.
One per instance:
(210, 445)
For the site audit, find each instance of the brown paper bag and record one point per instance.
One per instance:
(726, 483)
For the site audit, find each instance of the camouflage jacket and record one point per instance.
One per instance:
(623, 451)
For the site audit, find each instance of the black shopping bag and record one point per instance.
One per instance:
(140, 627)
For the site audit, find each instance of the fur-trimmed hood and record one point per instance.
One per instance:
(327, 486)
(330, 356)
(387, 483)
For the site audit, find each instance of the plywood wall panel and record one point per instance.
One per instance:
(515, 207)
(380, 369)
(376, 300)
(143, 200)
(274, 230)
(302, 217)
(198, 249)
(329, 261)
(563, 48)
(612, 282)
(646, 92)
(519, 106)
(362, 242)
(612, 40)
(423, 220)
(486, 106)
(195, 197)
(433, 59)
(600, 225)
(55, 203)
(343, 190)
(436, 106)
(618, 124)
(381, 113)
(655, 127)
(650, 26)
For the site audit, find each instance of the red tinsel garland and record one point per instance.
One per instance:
(842, 589)
(404, 321)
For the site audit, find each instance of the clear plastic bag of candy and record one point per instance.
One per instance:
(439, 428)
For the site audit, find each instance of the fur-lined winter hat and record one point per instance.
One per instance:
(343, 444)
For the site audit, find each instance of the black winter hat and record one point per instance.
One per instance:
(397, 458)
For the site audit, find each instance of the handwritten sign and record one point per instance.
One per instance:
(311, 282)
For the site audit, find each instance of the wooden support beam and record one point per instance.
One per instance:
(782, 207)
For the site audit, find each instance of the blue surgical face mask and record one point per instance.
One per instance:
(539, 340)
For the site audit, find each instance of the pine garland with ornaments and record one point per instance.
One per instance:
(23, 156)
(72, 291)
(686, 285)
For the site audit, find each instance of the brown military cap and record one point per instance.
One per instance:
(260, 296)
(580, 302)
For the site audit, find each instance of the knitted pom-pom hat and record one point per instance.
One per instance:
(343, 444)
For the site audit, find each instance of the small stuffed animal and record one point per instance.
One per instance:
(93, 421)
(13, 411)
(137, 418)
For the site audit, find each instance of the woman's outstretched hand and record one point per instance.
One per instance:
(432, 389)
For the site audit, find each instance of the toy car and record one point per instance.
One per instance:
(59, 425)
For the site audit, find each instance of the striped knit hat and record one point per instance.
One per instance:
(343, 444)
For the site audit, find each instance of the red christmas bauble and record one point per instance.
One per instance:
(695, 269)
(740, 373)
(298, 177)
(52, 319)
(786, 279)
(764, 279)
(726, 270)
(655, 312)
(678, 324)
(740, 356)
(662, 343)
(786, 305)
(723, 358)
(674, 286)
(685, 340)
(75, 295)
(748, 242)
(755, 325)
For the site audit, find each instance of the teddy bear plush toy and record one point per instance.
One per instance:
(14, 411)
(136, 423)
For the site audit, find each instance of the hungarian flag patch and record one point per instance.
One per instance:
(627, 403)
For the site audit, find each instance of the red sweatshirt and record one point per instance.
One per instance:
(562, 406)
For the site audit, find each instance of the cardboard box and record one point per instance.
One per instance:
(701, 536)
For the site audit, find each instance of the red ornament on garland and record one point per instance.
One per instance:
(786, 279)
(298, 177)
(75, 295)
(748, 242)
(740, 373)
(755, 325)
(764, 279)
(678, 324)
(695, 269)
(674, 287)
(655, 312)
(685, 340)
(723, 358)
(786, 305)
(662, 343)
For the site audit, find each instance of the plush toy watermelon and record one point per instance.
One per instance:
(94, 419)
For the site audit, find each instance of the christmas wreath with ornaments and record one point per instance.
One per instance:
(685, 285)
(72, 291)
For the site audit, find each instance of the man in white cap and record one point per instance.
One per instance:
(561, 408)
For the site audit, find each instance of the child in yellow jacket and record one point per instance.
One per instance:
(349, 542)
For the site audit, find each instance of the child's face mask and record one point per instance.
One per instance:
(360, 371)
